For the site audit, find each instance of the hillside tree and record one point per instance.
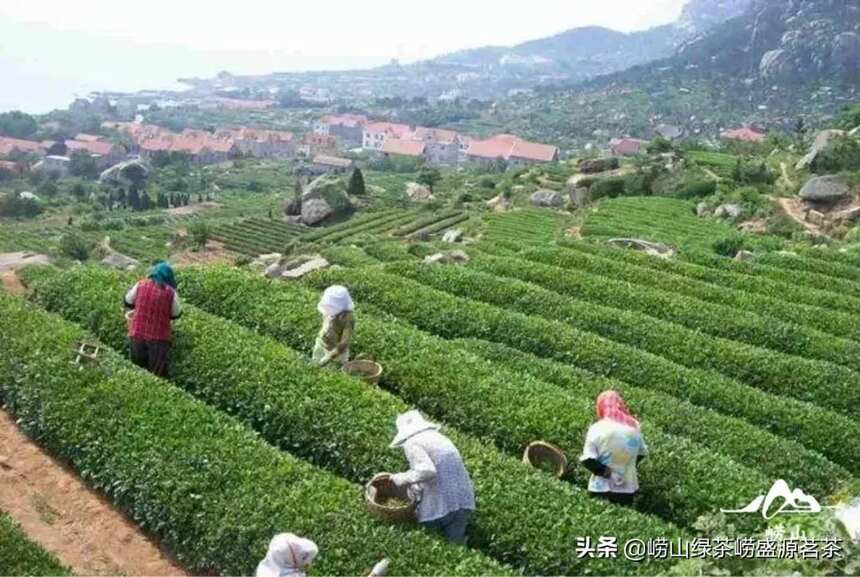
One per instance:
(356, 184)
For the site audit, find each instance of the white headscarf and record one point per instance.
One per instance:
(410, 424)
(334, 301)
(288, 555)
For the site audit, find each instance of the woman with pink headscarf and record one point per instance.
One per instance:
(614, 446)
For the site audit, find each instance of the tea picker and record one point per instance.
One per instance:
(614, 447)
(338, 324)
(155, 303)
(437, 477)
(290, 555)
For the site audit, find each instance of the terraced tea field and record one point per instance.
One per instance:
(741, 373)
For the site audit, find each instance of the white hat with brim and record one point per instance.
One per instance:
(410, 424)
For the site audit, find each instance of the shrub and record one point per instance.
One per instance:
(842, 154)
(21, 556)
(200, 232)
(211, 490)
(698, 189)
(75, 246)
(610, 187)
(13, 206)
(730, 245)
(294, 404)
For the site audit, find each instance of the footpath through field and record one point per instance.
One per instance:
(57, 511)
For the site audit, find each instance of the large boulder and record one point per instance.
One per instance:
(777, 65)
(729, 211)
(500, 204)
(306, 266)
(825, 189)
(579, 196)
(418, 192)
(126, 173)
(453, 236)
(822, 140)
(596, 165)
(547, 199)
(323, 198)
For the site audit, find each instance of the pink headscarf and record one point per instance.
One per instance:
(611, 406)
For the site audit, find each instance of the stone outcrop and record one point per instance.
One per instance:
(547, 199)
(825, 189)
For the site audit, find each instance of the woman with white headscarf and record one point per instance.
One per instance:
(436, 476)
(288, 556)
(335, 337)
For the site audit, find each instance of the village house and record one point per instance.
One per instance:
(376, 133)
(627, 146)
(323, 164)
(442, 147)
(406, 148)
(201, 146)
(316, 144)
(14, 168)
(9, 146)
(511, 149)
(261, 143)
(744, 135)
(348, 129)
(105, 153)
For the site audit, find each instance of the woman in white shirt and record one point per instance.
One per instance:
(436, 476)
(614, 447)
(288, 556)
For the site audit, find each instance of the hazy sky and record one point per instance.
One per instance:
(51, 50)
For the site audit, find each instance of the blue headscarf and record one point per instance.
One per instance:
(162, 274)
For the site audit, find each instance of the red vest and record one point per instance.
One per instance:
(152, 312)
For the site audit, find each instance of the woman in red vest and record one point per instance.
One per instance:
(155, 305)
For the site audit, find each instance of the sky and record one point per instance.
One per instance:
(52, 50)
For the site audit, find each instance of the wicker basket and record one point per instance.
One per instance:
(365, 370)
(381, 488)
(548, 457)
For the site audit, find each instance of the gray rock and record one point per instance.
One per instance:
(307, 267)
(547, 199)
(815, 217)
(822, 140)
(849, 215)
(596, 165)
(855, 133)
(777, 65)
(126, 173)
(453, 236)
(824, 189)
(500, 204)
(315, 211)
(274, 270)
(120, 261)
(729, 211)
(418, 192)
(651, 248)
(579, 196)
(744, 255)
(702, 209)
(453, 257)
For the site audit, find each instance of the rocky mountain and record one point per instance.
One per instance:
(699, 16)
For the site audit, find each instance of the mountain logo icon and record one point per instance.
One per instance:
(780, 500)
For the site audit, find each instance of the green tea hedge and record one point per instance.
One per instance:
(812, 426)
(338, 423)
(832, 313)
(210, 489)
(21, 556)
(468, 392)
(584, 306)
(730, 436)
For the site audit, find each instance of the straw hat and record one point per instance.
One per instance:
(410, 424)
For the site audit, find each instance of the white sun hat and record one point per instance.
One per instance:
(410, 424)
(288, 554)
(335, 300)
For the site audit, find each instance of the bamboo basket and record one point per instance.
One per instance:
(381, 488)
(368, 371)
(542, 455)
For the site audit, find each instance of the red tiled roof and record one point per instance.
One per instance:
(350, 120)
(439, 135)
(82, 137)
(744, 134)
(403, 147)
(10, 166)
(625, 146)
(534, 151)
(93, 147)
(8, 145)
(509, 146)
(396, 130)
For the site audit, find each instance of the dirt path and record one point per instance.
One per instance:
(793, 208)
(65, 517)
(785, 177)
(712, 174)
(11, 283)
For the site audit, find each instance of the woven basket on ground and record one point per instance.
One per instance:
(377, 493)
(365, 370)
(547, 457)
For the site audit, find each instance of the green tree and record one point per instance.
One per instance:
(429, 177)
(134, 198)
(18, 124)
(83, 165)
(74, 246)
(79, 191)
(200, 232)
(356, 184)
(48, 188)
